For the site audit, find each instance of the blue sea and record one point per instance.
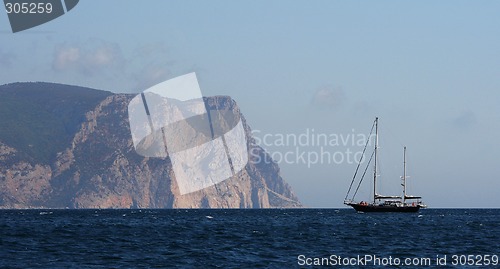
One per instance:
(250, 238)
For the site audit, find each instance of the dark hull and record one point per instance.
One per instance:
(385, 208)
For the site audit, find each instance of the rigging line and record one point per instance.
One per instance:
(363, 176)
(360, 160)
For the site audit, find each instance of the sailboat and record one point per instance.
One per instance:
(383, 203)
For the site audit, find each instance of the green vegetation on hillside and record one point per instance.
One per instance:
(40, 119)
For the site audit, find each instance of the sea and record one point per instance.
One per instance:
(249, 238)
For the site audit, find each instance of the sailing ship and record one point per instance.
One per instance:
(382, 203)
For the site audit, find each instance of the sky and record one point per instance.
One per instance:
(429, 70)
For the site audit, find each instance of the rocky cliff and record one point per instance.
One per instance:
(70, 147)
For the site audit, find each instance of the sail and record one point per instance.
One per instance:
(378, 196)
(408, 197)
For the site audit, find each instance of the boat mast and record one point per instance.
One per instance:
(404, 175)
(375, 162)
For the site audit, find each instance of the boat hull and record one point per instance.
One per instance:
(385, 208)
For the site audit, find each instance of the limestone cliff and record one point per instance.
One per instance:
(70, 147)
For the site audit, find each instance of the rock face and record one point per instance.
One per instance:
(70, 147)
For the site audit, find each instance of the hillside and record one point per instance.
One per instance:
(70, 147)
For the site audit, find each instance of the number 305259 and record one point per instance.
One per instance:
(28, 8)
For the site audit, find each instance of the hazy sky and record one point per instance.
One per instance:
(429, 69)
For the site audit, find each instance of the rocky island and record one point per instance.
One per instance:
(66, 146)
